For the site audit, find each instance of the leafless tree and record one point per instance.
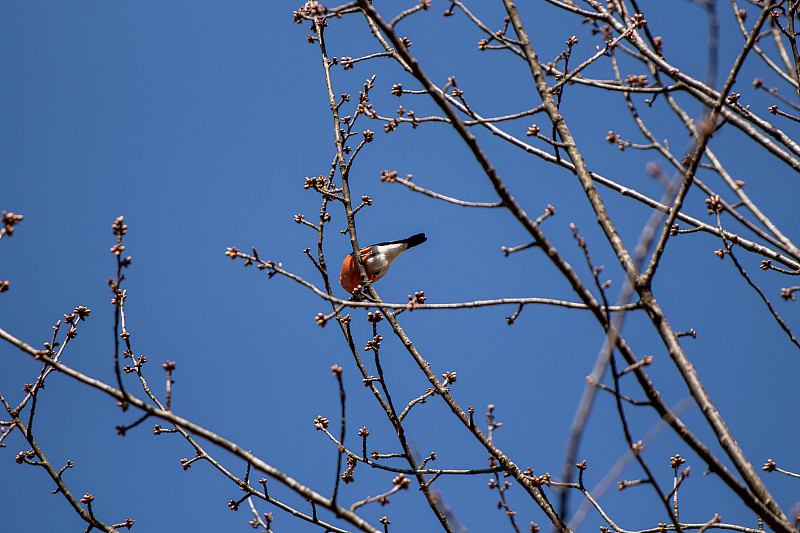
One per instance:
(631, 68)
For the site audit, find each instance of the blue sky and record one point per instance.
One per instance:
(199, 121)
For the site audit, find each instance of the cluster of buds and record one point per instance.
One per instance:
(119, 298)
(314, 182)
(72, 333)
(451, 82)
(48, 348)
(612, 138)
(117, 249)
(388, 176)
(417, 299)
(676, 461)
(82, 312)
(363, 99)
(449, 377)
(21, 456)
(366, 108)
(357, 293)
(347, 475)
(119, 227)
(541, 480)
(9, 220)
(311, 9)
(321, 423)
(636, 81)
(638, 21)
(714, 204)
(401, 481)
(788, 294)
(532, 131)
(374, 344)
(374, 317)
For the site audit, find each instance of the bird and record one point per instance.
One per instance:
(377, 259)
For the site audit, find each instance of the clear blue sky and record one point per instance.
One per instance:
(199, 121)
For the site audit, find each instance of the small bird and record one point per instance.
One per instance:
(377, 259)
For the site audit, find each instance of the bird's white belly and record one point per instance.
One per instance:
(379, 261)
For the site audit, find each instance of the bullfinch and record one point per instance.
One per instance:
(377, 259)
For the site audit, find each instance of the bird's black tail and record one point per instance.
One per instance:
(412, 241)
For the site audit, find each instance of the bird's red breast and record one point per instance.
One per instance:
(377, 259)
